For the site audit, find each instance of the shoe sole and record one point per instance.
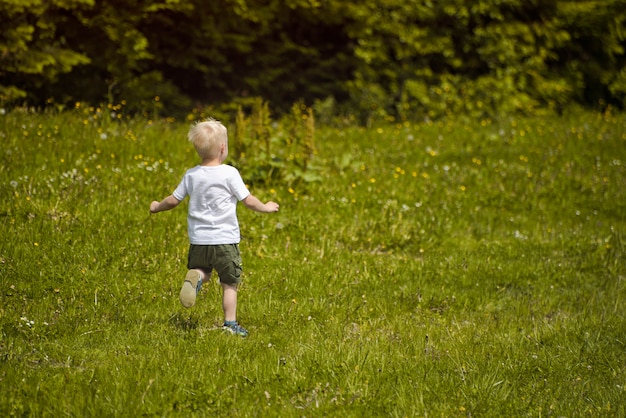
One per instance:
(188, 291)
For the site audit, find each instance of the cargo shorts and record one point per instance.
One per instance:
(225, 259)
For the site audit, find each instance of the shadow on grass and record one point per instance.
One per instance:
(183, 322)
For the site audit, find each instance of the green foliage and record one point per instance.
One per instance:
(30, 47)
(377, 59)
(618, 86)
(596, 58)
(482, 59)
(441, 268)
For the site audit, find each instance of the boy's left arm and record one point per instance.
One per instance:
(252, 202)
(168, 203)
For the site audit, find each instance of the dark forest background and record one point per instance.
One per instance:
(368, 58)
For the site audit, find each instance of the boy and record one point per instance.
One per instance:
(214, 190)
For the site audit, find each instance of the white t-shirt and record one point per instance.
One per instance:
(213, 195)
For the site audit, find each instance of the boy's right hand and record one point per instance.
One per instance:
(168, 203)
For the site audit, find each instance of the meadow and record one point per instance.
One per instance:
(452, 269)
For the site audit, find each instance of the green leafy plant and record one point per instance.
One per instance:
(269, 152)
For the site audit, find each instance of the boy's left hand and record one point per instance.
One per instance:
(272, 206)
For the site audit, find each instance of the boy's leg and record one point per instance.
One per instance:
(199, 265)
(229, 302)
(229, 268)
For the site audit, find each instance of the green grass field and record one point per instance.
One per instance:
(468, 268)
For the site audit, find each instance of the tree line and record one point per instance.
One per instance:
(405, 58)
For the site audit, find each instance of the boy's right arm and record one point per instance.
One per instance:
(168, 203)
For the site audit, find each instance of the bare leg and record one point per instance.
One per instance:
(229, 302)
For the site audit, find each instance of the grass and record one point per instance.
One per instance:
(465, 268)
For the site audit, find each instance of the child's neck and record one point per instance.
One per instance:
(211, 163)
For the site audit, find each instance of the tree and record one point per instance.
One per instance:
(404, 58)
(31, 52)
(594, 52)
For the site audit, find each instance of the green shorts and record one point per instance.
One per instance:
(224, 258)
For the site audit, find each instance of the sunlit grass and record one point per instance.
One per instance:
(451, 269)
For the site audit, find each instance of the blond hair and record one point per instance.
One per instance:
(207, 137)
